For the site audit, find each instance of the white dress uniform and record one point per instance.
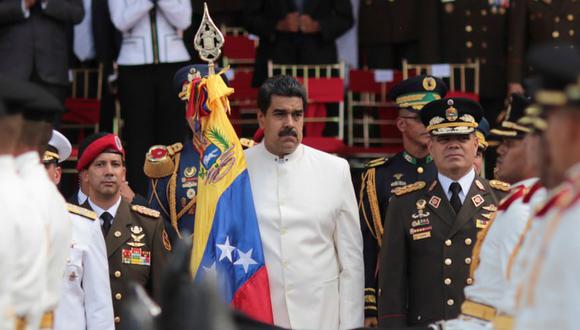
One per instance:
(85, 301)
(310, 231)
(490, 278)
(10, 217)
(133, 20)
(551, 291)
(28, 245)
(45, 197)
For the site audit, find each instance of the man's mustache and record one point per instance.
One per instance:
(288, 131)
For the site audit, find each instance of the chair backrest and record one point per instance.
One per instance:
(368, 107)
(460, 77)
(239, 51)
(87, 83)
(233, 30)
(243, 102)
(324, 84)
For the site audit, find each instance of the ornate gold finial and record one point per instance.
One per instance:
(208, 40)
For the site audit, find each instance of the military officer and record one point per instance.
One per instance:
(383, 175)
(23, 277)
(39, 112)
(474, 30)
(137, 244)
(533, 22)
(85, 301)
(430, 227)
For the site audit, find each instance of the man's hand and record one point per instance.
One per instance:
(515, 88)
(371, 322)
(29, 3)
(308, 25)
(289, 24)
(126, 192)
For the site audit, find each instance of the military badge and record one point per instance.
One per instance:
(420, 222)
(451, 113)
(136, 256)
(477, 200)
(420, 210)
(137, 235)
(397, 182)
(435, 201)
(490, 207)
(429, 83)
(488, 216)
(421, 235)
(190, 193)
(481, 224)
(479, 185)
(189, 172)
(414, 231)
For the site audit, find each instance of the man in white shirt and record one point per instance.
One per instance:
(308, 218)
(85, 301)
(430, 228)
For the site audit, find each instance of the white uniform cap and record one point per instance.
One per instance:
(60, 143)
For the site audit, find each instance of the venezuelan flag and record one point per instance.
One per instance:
(226, 241)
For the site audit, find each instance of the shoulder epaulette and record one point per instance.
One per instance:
(145, 211)
(159, 160)
(500, 185)
(409, 188)
(86, 213)
(377, 162)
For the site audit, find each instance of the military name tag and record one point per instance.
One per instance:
(481, 224)
(421, 235)
(136, 256)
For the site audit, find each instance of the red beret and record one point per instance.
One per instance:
(97, 147)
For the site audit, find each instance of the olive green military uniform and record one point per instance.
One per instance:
(426, 251)
(534, 22)
(137, 248)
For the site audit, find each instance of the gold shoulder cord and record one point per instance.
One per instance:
(156, 195)
(361, 205)
(477, 248)
(371, 189)
(171, 199)
(187, 207)
(518, 247)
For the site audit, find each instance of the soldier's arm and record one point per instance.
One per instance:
(12, 11)
(338, 21)
(125, 16)
(256, 22)
(392, 295)
(161, 248)
(96, 285)
(68, 11)
(177, 12)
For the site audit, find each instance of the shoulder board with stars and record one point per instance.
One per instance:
(159, 160)
(409, 188)
(500, 185)
(377, 162)
(85, 213)
(145, 211)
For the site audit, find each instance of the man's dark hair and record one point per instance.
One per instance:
(280, 86)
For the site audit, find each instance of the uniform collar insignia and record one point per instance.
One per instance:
(490, 207)
(479, 185)
(477, 200)
(435, 201)
(433, 185)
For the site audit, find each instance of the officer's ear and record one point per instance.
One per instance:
(401, 124)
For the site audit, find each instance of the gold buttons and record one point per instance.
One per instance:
(468, 241)
(468, 12)
(467, 261)
(450, 302)
(484, 28)
(117, 234)
(448, 242)
(380, 292)
(570, 17)
(557, 19)
(571, 33)
(483, 12)
(555, 34)
(117, 319)
(468, 28)
(484, 45)
(117, 274)
(118, 296)
(483, 60)
(469, 281)
(420, 170)
(469, 44)
(448, 261)
(447, 281)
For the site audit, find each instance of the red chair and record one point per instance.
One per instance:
(324, 85)
(243, 102)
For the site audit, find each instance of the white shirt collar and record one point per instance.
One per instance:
(465, 183)
(81, 197)
(282, 160)
(112, 210)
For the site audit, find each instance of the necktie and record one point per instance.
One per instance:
(455, 201)
(107, 217)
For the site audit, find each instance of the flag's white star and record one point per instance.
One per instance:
(245, 259)
(211, 271)
(226, 250)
